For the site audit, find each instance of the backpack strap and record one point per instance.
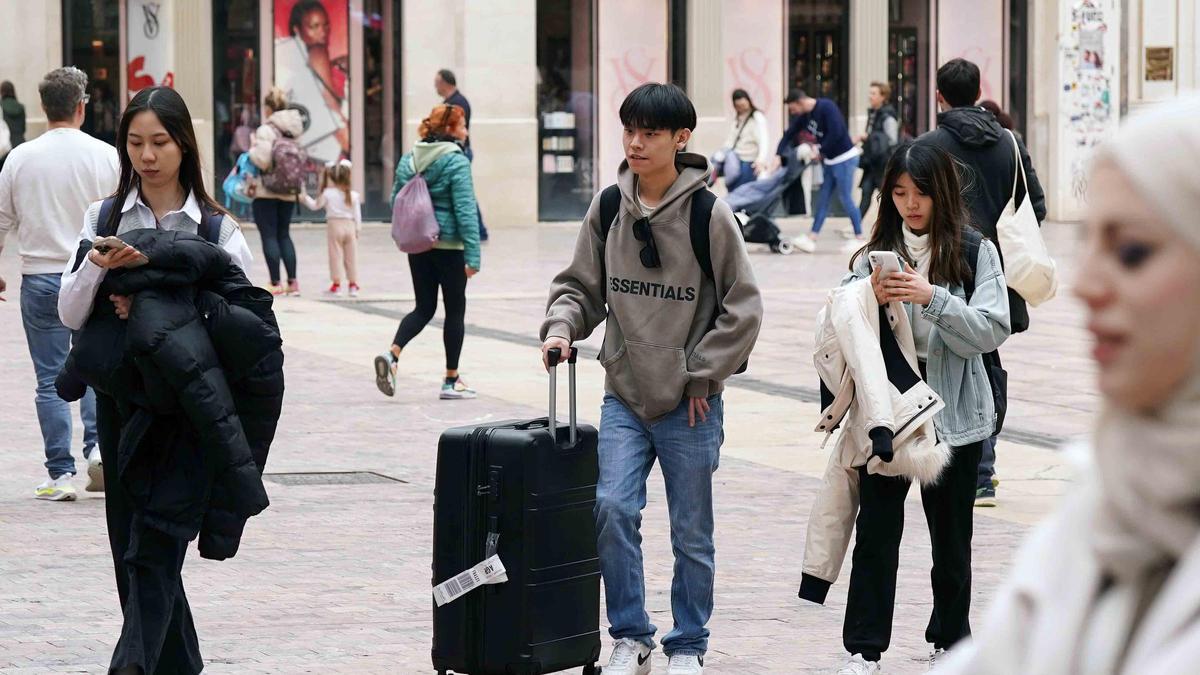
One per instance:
(971, 241)
(210, 225)
(703, 201)
(102, 227)
(610, 205)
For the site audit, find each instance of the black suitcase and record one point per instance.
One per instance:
(536, 492)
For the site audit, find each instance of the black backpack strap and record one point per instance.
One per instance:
(102, 226)
(703, 201)
(210, 225)
(971, 241)
(610, 205)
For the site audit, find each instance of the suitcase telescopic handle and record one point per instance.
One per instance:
(555, 357)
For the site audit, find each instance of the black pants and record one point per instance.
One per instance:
(949, 512)
(430, 270)
(273, 217)
(870, 183)
(158, 635)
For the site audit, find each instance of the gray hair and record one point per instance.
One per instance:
(61, 91)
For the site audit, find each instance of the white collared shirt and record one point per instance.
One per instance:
(78, 293)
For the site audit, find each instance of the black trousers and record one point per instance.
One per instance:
(158, 636)
(949, 513)
(273, 218)
(432, 270)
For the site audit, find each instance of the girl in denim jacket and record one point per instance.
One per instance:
(922, 218)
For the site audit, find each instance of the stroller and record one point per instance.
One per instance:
(757, 199)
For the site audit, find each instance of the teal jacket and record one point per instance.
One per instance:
(447, 172)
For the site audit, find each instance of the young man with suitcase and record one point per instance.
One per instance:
(670, 274)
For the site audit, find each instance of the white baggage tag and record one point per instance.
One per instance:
(490, 571)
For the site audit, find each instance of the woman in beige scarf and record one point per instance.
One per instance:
(1111, 582)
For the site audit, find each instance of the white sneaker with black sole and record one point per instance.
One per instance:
(934, 656)
(95, 472)
(629, 657)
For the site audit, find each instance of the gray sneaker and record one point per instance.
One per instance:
(385, 374)
(95, 471)
(457, 390)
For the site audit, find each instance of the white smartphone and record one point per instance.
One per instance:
(887, 262)
(106, 244)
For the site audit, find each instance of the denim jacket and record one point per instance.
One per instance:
(960, 335)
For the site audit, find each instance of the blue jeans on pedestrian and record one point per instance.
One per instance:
(987, 464)
(688, 456)
(838, 177)
(744, 175)
(49, 343)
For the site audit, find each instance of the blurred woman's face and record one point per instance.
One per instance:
(1141, 286)
(741, 105)
(314, 28)
(153, 153)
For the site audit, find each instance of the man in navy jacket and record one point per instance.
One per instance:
(822, 118)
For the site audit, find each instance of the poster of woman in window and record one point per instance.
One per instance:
(312, 65)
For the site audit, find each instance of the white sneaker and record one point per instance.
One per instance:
(857, 665)
(934, 656)
(629, 657)
(805, 243)
(57, 490)
(685, 664)
(95, 472)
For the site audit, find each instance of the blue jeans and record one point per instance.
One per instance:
(49, 342)
(987, 464)
(838, 177)
(689, 456)
(745, 175)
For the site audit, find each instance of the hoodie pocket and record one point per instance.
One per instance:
(652, 375)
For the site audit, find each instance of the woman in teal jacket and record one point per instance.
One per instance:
(438, 156)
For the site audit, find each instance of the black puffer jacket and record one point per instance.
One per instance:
(197, 375)
(973, 136)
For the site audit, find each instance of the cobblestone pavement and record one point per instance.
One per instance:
(336, 578)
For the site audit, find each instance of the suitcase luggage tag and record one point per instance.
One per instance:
(490, 571)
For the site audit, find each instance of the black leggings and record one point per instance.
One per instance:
(430, 270)
(273, 217)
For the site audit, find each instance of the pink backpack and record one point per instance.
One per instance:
(415, 228)
(289, 164)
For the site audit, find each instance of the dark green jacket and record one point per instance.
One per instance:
(14, 117)
(447, 172)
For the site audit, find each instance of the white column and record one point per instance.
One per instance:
(191, 31)
(868, 55)
(31, 45)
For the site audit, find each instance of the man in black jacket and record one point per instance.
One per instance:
(974, 137)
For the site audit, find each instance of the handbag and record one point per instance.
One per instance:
(731, 165)
(1028, 268)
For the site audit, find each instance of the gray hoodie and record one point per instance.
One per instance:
(670, 331)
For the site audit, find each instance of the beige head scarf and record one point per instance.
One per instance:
(1149, 464)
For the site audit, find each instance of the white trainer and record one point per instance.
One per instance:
(685, 664)
(857, 665)
(629, 657)
(934, 656)
(805, 243)
(95, 472)
(57, 490)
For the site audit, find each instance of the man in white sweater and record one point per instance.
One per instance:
(46, 186)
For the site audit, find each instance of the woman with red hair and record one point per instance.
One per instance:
(439, 158)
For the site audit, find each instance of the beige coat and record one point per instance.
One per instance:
(1052, 592)
(850, 363)
(288, 121)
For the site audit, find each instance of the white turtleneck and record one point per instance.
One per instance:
(921, 252)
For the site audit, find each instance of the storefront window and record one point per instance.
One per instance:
(236, 88)
(381, 115)
(677, 37)
(908, 51)
(818, 49)
(91, 42)
(566, 108)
